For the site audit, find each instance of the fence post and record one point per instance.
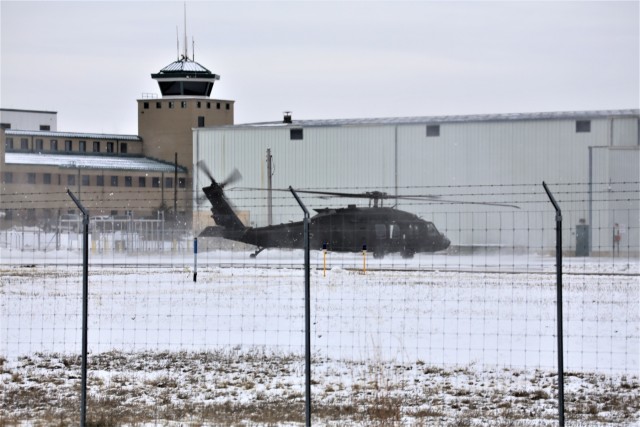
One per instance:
(85, 306)
(558, 302)
(307, 309)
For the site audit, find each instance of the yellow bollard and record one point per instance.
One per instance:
(364, 259)
(324, 259)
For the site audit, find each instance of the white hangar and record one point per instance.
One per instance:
(590, 159)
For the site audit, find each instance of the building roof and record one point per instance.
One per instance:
(562, 115)
(79, 161)
(16, 110)
(185, 67)
(51, 134)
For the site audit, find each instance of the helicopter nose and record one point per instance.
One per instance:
(445, 242)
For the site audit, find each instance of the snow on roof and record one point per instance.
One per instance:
(50, 134)
(563, 115)
(91, 162)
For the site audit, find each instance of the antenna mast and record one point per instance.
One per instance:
(185, 31)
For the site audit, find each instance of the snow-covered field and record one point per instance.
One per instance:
(442, 339)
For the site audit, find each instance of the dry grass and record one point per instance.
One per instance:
(255, 388)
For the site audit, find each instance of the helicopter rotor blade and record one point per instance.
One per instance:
(379, 195)
(234, 176)
(204, 168)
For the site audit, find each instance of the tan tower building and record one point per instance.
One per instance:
(165, 124)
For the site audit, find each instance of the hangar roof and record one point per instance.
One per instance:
(562, 115)
(72, 161)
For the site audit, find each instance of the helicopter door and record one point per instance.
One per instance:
(382, 241)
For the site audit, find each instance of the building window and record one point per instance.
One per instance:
(200, 121)
(8, 144)
(46, 178)
(53, 145)
(583, 126)
(86, 180)
(39, 145)
(145, 105)
(123, 147)
(8, 177)
(158, 105)
(142, 181)
(199, 104)
(433, 130)
(168, 182)
(71, 180)
(68, 145)
(155, 182)
(5, 125)
(217, 105)
(170, 104)
(296, 134)
(109, 147)
(128, 181)
(208, 105)
(45, 127)
(100, 181)
(183, 104)
(182, 182)
(228, 106)
(114, 180)
(31, 178)
(24, 144)
(82, 146)
(113, 213)
(96, 146)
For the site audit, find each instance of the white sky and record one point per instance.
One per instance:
(90, 61)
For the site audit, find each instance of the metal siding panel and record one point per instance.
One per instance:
(356, 158)
(625, 132)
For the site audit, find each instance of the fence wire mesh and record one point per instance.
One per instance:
(463, 336)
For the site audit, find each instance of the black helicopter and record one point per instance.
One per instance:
(376, 228)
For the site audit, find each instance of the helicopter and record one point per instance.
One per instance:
(382, 230)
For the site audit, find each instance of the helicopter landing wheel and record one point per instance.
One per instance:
(407, 253)
(255, 254)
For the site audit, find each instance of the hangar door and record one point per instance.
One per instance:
(614, 205)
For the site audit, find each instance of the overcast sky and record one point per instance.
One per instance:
(90, 61)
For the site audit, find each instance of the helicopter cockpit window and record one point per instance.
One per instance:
(381, 231)
(432, 230)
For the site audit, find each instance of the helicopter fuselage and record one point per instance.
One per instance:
(380, 230)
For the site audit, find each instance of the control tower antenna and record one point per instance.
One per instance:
(186, 54)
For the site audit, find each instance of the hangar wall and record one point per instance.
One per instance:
(475, 161)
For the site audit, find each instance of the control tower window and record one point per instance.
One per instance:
(170, 88)
(196, 88)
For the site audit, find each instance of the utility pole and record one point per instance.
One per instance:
(269, 188)
(175, 190)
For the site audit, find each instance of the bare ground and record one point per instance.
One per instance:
(240, 387)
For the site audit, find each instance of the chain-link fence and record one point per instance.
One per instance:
(461, 336)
